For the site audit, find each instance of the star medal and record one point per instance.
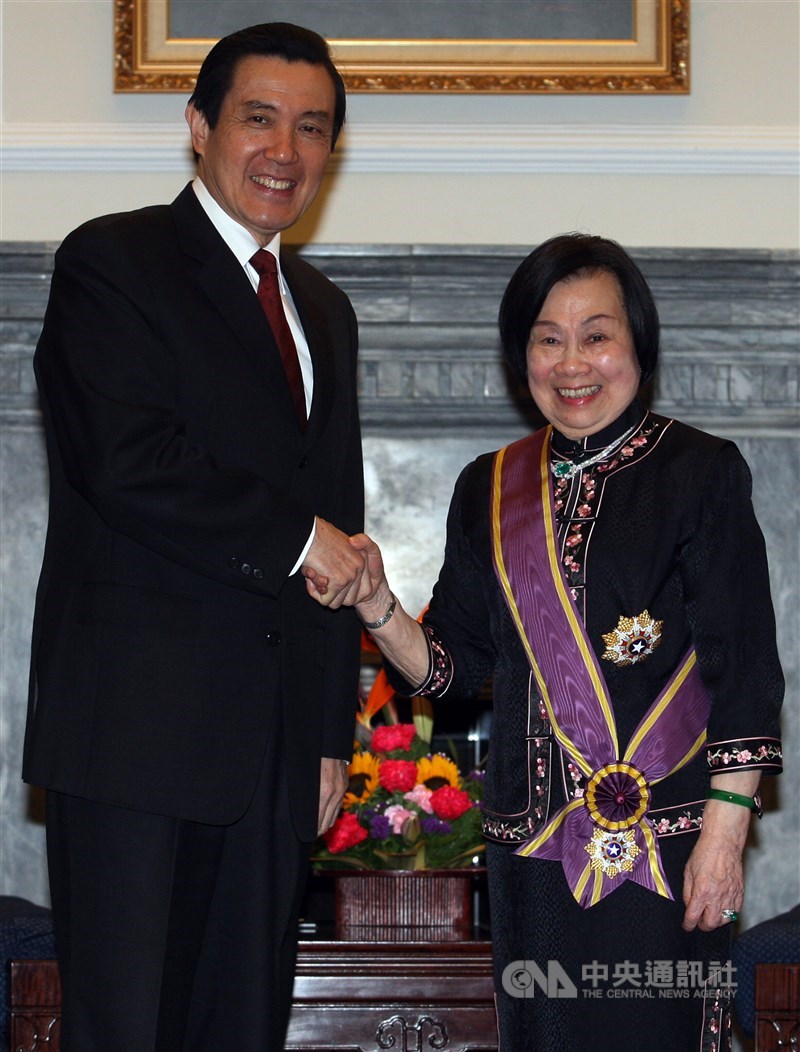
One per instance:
(634, 639)
(613, 853)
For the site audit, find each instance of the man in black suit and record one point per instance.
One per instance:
(192, 708)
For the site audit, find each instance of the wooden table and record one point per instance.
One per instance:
(351, 994)
(362, 996)
(777, 1004)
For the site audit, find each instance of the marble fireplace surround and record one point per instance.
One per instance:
(434, 395)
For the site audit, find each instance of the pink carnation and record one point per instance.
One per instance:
(398, 816)
(345, 832)
(449, 803)
(394, 736)
(421, 796)
(398, 776)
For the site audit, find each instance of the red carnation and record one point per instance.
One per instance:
(393, 736)
(450, 803)
(344, 833)
(398, 776)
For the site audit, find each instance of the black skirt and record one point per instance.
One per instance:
(622, 974)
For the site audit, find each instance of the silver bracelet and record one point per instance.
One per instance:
(387, 617)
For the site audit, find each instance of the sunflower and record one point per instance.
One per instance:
(436, 771)
(363, 775)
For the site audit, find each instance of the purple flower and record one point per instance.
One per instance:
(436, 827)
(379, 827)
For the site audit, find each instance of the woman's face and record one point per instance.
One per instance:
(582, 365)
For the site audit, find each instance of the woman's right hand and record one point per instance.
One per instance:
(399, 637)
(375, 605)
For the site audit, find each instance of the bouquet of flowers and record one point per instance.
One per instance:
(406, 807)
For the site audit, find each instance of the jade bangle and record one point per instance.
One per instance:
(752, 803)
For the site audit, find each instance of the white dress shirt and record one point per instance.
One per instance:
(243, 245)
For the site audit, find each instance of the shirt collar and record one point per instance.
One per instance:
(240, 241)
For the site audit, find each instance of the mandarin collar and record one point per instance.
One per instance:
(577, 449)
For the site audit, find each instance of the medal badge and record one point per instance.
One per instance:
(613, 853)
(634, 639)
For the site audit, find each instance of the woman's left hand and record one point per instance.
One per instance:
(712, 882)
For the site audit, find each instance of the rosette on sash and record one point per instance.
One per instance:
(605, 837)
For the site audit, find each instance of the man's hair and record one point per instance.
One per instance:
(571, 256)
(273, 40)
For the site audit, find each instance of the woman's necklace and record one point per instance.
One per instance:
(565, 469)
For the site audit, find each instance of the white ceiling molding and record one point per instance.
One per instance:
(488, 149)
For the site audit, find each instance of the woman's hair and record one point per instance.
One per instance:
(573, 255)
(272, 40)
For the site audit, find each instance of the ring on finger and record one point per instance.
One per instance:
(730, 915)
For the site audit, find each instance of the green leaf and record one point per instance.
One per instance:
(423, 718)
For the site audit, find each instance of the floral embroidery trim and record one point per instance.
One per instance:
(440, 674)
(667, 821)
(512, 832)
(718, 992)
(519, 828)
(683, 818)
(575, 507)
(745, 753)
(578, 779)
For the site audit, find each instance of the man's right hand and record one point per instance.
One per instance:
(336, 573)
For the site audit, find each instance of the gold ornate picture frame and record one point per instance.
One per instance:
(653, 60)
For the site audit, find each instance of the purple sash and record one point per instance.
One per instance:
(604, 837)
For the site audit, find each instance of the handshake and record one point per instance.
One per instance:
(345, 571)
(348, 571)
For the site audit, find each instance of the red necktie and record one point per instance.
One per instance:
(269, 296)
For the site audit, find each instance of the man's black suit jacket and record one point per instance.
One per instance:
(169, 637)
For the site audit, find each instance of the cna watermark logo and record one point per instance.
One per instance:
(626, 979)
(521, 978)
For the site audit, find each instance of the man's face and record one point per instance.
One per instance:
(264, 161)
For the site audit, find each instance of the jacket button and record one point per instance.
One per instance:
(273, 639)
(258, 574)
(246, 568)
(303, 462)
(234, 561)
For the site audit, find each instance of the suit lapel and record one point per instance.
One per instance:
(221, 278)
(316, 331)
